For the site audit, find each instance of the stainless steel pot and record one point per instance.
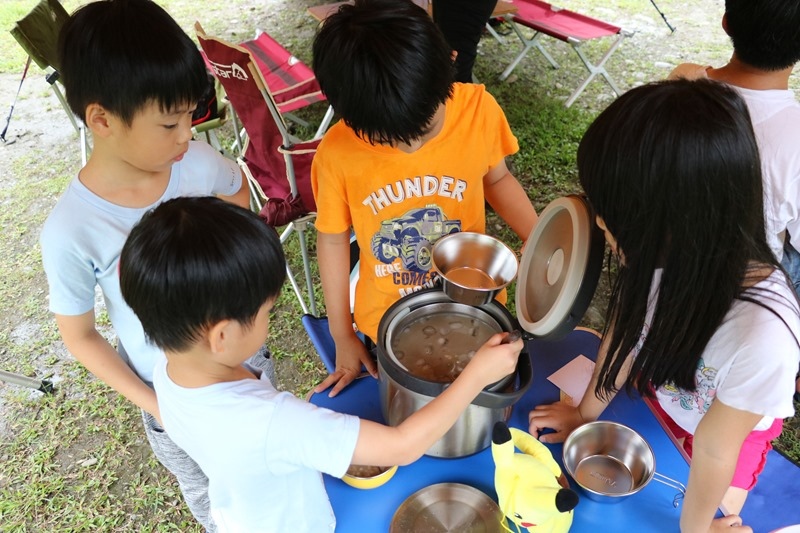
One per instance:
(403, 390)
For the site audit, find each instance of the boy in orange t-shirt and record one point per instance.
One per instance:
(413, 159)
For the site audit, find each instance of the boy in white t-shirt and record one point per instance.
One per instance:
(766, 46)
(203, 275)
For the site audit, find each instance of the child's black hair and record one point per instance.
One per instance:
(125, 54)
(673, 170)
(765, 33)
(385, 68)
(193, 262)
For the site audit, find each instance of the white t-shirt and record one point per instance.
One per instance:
(83, 236)
(749, 363)
(775, 115)
(263, 451)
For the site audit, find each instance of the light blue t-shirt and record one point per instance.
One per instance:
(83, 236)
(263, 451)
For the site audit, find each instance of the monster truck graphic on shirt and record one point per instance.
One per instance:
(411, 236)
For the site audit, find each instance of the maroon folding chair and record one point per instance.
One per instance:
(277, 165)
(567, 26)
(290, 81)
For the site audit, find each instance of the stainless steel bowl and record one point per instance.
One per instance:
(474, 267)
(608, 460)
(448, 507)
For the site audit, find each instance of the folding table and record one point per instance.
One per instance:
(568, 26)
(650, 510)
(768, 507)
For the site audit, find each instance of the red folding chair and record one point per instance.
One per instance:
(567, 26)
(290, 81)
(277, 165)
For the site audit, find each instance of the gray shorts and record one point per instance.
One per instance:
(191, 479)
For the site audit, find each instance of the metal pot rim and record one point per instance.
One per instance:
(490, 396)
(569, 442)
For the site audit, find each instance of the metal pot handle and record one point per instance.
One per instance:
(675, 484)
(501, 400)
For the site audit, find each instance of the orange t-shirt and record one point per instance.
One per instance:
(398, 203)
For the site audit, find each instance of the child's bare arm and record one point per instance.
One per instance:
(381, 445)
(95, 353)
(715, 452)
(241, 198)
(562, 417)
(333, 251)
(507, 197)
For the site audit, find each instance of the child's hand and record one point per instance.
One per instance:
(730, 524)
(559, 416)
(497, 358)
(350, 355)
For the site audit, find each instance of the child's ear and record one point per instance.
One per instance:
(725, 24)
(219, 336)
(98, 120)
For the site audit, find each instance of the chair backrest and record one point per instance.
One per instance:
(281, 166)
(291, 82)
(37, 32)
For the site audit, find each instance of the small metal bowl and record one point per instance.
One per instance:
(474, 267)
(608, 460)
(368, 477)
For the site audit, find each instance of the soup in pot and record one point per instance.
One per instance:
(438, 346)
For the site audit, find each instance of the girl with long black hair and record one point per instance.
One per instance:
(701, 317)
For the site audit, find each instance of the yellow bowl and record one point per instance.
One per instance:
(368, 477)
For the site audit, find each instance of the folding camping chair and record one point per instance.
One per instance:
(567, 26)
(262, 85)
(37, 34)
(290, 81)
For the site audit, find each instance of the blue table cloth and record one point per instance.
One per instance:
(774, 503)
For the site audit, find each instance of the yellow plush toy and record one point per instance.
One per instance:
(531, 489)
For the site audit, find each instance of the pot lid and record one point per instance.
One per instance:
(559, 268)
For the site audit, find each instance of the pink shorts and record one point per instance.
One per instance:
(752, 456)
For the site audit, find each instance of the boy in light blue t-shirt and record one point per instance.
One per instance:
(134, 78)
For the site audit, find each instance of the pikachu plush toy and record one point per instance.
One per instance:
(529, 484)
